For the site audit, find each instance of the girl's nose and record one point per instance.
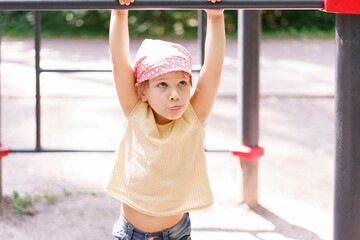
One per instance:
(174, 96)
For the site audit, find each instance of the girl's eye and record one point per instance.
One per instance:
(162, 85)
(182, 83)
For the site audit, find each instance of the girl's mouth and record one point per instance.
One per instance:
(175, 108)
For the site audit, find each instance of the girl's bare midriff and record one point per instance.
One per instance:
(148, 223)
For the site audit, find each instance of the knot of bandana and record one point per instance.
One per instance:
(156, 57)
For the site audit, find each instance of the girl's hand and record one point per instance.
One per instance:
(214, 12)
(126, 2)
(214, 1)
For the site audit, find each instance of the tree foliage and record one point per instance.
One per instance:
(156, 23)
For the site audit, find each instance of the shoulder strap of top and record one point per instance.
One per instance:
(139, 106)
(190, 111)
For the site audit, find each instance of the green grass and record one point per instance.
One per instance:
(20, 203)
(51, 197)
(66, 192)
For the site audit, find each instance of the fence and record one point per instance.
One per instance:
(39, 70)
(347, 185)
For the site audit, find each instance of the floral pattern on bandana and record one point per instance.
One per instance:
(156, 57)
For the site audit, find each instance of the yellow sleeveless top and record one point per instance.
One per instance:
(160, 170)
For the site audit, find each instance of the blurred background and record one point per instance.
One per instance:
(157, 23)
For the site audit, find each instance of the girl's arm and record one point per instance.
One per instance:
(209, 77)
(122, 69)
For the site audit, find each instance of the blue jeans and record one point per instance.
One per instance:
(123, 230)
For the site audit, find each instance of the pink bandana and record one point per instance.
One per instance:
(155, 58)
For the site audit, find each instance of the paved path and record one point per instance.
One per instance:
(81, 111)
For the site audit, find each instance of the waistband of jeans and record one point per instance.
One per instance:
(183, 222)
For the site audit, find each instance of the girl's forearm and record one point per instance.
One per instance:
(119, 37)
(215, 41)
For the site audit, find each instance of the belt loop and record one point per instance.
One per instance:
(130, 231)
(166, 235)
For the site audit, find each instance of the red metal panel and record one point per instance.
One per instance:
(247, 153)
(342, 6)
(4, 150)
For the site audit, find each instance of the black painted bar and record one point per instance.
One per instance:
(0, 115)
(347, 155)
(158, 4)
(249, 34)
(37, 33)
(201, 35)
(249, 54)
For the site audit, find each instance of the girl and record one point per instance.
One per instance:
(160, 169)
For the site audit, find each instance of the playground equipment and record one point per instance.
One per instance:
(159, 4)
(347, 178)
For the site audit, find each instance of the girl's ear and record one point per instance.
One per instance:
(143, 96)
(141, 90)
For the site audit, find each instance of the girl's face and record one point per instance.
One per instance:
(168, 95)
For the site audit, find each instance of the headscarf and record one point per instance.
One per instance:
(156, 57)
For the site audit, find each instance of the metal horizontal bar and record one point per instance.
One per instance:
(54, 150)
(74, 70)
(158, 4)
(196, 68)
(218, 150)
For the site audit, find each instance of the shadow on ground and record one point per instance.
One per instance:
(281, 227)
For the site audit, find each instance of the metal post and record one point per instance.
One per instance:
(249, 32)
(158, 4)
(37, 29)
(201, 35)
(1, 195)
(347, 166)
(4, 150)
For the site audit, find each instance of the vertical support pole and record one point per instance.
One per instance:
(347, 156)
(249, 33)
(1, 192)
(4, 150)
(201, 35)
(37, 29)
